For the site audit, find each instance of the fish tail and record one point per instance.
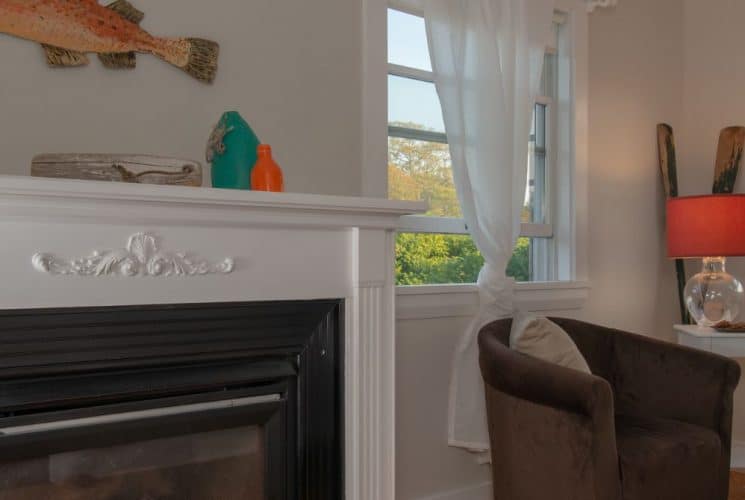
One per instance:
(196, 56)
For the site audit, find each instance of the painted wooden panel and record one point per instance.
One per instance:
(268, 264)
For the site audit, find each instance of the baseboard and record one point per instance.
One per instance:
(476, 492)
(483, 491)
(737, 459)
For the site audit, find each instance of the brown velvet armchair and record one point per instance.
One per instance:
(653, 421)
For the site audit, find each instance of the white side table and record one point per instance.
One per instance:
(727, 344)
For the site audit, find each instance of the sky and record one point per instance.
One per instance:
(411, 100)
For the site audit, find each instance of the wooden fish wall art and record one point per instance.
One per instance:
(69, 29)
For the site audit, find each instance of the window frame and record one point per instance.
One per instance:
(571, 205)
(425, 224)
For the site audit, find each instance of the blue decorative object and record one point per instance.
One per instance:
(231, 151)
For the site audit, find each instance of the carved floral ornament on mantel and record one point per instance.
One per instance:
(594, 4)
(141, 257)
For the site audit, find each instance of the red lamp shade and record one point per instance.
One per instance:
(706, 226)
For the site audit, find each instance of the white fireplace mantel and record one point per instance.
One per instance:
(83, 243)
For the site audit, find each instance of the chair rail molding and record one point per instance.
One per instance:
(594, 4)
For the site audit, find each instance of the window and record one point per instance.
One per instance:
(436, 248)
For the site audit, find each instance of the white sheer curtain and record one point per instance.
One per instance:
(487, 57)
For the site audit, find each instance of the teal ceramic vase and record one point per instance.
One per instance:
(231, 151)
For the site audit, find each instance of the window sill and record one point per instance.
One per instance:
(449, 301)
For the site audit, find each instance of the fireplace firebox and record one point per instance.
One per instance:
(230, 401)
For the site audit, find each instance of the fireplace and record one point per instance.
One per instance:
(72, 248)
(231, 401)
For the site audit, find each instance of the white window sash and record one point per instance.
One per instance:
(545, 256)
(544, 100)
(411, 73)
(569, 142)
(450, 225)
(417, 134)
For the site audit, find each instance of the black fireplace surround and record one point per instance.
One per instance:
(68, 365)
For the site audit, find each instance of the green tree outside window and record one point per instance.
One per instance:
(420, 170)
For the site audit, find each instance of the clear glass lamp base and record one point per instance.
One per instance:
(713, 295)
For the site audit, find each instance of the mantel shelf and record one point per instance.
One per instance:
(27, 196)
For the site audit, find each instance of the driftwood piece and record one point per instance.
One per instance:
(668, 163)
(669, 170)
(139, 169)
(729, 154)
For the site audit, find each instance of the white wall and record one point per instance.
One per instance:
(712, 85)
(635, 66)
(635, 70)
(425, 465)
(292, 68)
(713, 82)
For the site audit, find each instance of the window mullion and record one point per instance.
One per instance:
(417, 134)
(411, 73)
(450, 225)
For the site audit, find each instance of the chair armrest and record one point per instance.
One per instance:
(652, 377)
(541, 382)
(547, 421)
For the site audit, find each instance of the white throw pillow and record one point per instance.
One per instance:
(543, 339)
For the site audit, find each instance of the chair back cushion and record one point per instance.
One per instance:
(543, 339)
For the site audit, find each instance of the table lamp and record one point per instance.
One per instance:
(712, 228)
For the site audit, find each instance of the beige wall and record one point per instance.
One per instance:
(291, 68)
(635, 71)
(675, 61)
(635, 66)
(425, 465)
(713, 82)
(713, 90)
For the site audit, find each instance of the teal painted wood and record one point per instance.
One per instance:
(669, 170)
(231, 151)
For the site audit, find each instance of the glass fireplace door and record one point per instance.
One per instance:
(225, 463)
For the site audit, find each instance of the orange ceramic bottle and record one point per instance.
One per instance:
(266, 174)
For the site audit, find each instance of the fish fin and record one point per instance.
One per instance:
(203, 55)
(127, 11)
(122, 60)
(118, 60)
(196, 56)
(57, 56)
